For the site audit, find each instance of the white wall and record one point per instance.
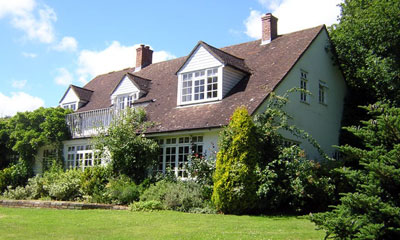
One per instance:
(230, 78)
(125, 87)
(70, 97)
(200, 59)
(321, 121)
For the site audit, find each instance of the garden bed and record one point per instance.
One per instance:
(59, 205)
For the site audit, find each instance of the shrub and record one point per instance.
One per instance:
(132, 154)
(94, 181)
(146, 206)
(180, 196)
(121, 190)
(292, 183)
(66, 185)
(18, 193)
(201, 170)
(235, 180)
(15, 175)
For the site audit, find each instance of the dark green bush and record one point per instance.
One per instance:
(235, 179)
(121, 190)
(132, 154)
(94, 181)
(293, 184)
(15, 175)
(146, 206)
(372, 209)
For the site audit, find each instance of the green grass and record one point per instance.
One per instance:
(24, 223)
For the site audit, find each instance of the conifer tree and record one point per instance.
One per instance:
(235, 179)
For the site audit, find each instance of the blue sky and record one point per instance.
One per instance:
(47, 45)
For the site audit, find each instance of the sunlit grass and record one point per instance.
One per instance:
(23, 223)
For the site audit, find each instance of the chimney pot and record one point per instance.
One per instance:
(269, 28)
(144, 57)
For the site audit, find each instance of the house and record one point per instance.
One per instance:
(191, 98)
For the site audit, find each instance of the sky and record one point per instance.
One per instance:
(47, 45)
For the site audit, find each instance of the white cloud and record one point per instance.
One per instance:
(18, 102)
(18, 83)
(36, 23)
(114, 57)
(64, 77)
(67, 44)
(29, 55)
(294, 15)
(253, 24)
(17, 7)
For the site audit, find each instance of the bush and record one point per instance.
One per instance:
(179, 196)
(293, 184)
(15, 175)
(18, 193)
(235, 180)
(132, 154)
(94, 181)
(66, 186)
(121, 190)
(201, 170)
(146, 206)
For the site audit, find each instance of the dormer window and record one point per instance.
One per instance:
(199, 85)
(71, 106)
(126, 101)
(208, 74)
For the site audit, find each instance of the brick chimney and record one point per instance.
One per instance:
(269, 28)
(144, 57)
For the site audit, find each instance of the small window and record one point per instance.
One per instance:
(322, 92)
(71, 106)
(303, 86)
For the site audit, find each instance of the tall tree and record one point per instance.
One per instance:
(367, 43)
(235, 180)
(372, 211)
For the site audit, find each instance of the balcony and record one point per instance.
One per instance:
(87, 124)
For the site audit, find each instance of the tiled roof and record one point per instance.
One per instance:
(267, 65)
(142, 83)
(83, 94)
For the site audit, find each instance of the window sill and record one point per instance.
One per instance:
(323, 104)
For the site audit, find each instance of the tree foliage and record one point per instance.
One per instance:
(24, 133)
(367, 43)
(131, 152)
(235, 179)
(288, 181)
(372, 211)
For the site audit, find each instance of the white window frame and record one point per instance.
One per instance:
(81, 156)
(70, 105)
(124, 101)
(303, 85)
(200, 86)
(178, 149)
(322, 93)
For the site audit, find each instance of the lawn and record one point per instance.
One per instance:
(24, 223)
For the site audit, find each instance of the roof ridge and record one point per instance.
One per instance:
(72, 85)
(219, 49)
